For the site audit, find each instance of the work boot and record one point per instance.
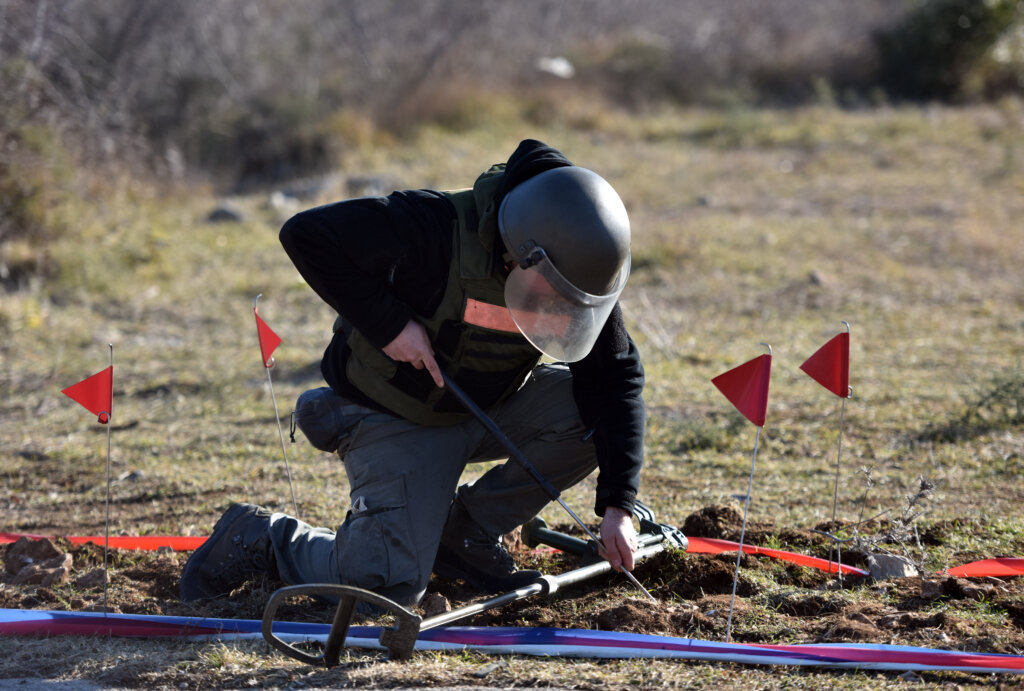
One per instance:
(237, 550)
(469, 552)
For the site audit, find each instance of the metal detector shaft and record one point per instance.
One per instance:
(492, 427)
(523, 461)
(547, 585)
(400, 640)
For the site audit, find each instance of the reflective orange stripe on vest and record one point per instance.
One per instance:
(489, 316)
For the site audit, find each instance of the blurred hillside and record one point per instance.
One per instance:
(244, 94)
(248, 88)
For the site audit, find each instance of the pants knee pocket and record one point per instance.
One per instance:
(326, 419)
(376, 540)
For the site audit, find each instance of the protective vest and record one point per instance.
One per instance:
(475, 341)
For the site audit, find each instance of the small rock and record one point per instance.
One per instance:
(558, 66)
(96, 578)
(884, 567)
(98, 607)
(284, 203)
(513, 541)
(435, 603)
(57, 576)
(369, 186)
(817, 278)
(225, 213)
(130, 476)
(911, 677)
(861, 618)
(28, 551)
(977, 591)
(487, 669)
(932, 590)
(46, 573)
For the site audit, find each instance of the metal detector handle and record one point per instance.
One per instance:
(399, 640)
(536, 532)
(491, 427)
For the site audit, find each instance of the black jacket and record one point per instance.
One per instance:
(379, 261)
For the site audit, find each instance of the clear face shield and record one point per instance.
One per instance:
(559, 319)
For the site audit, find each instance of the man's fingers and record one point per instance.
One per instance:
(625, 553)
(611, 555)
(413, 346)
(435, 371)
(627, 556)
(618, 554)
(427, 361)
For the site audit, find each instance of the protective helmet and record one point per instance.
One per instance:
(568, 231)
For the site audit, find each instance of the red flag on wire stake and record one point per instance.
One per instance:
(268, 339)
(746, 387)
(95, 394)
(830, 365)
(268, 342)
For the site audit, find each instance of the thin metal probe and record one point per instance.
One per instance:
(523, 461)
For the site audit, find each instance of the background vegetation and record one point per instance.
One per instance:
(779, 177)
(245, 94)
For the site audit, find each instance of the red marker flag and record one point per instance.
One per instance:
(95, 394)
(746, 387)
(268, 340)
(830, 365)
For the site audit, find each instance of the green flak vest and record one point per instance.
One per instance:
(475, 341)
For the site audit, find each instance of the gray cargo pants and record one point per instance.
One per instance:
(403, 476)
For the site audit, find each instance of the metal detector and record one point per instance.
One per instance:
(400, 640)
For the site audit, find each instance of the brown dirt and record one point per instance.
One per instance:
(775, 602)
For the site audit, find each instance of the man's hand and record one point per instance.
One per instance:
(413, 346)
(619, 538)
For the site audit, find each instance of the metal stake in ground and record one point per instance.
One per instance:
(835, 491)
(268, 341)
(96, 394)
(746, 387)
(743, 532)
(830, 367)
(106, 519)
(524, 462)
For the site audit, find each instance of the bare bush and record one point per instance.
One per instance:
(183, 74)
(246, 89)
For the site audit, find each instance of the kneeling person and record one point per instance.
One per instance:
(479, 284)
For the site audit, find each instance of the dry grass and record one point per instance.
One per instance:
(749, 226)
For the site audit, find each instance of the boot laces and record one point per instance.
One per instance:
(492, 548)
(244, 558)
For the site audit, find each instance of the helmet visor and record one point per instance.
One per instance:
(559, 319)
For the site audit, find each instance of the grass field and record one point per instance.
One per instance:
(749, 226)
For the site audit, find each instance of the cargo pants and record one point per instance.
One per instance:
(403, 478)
